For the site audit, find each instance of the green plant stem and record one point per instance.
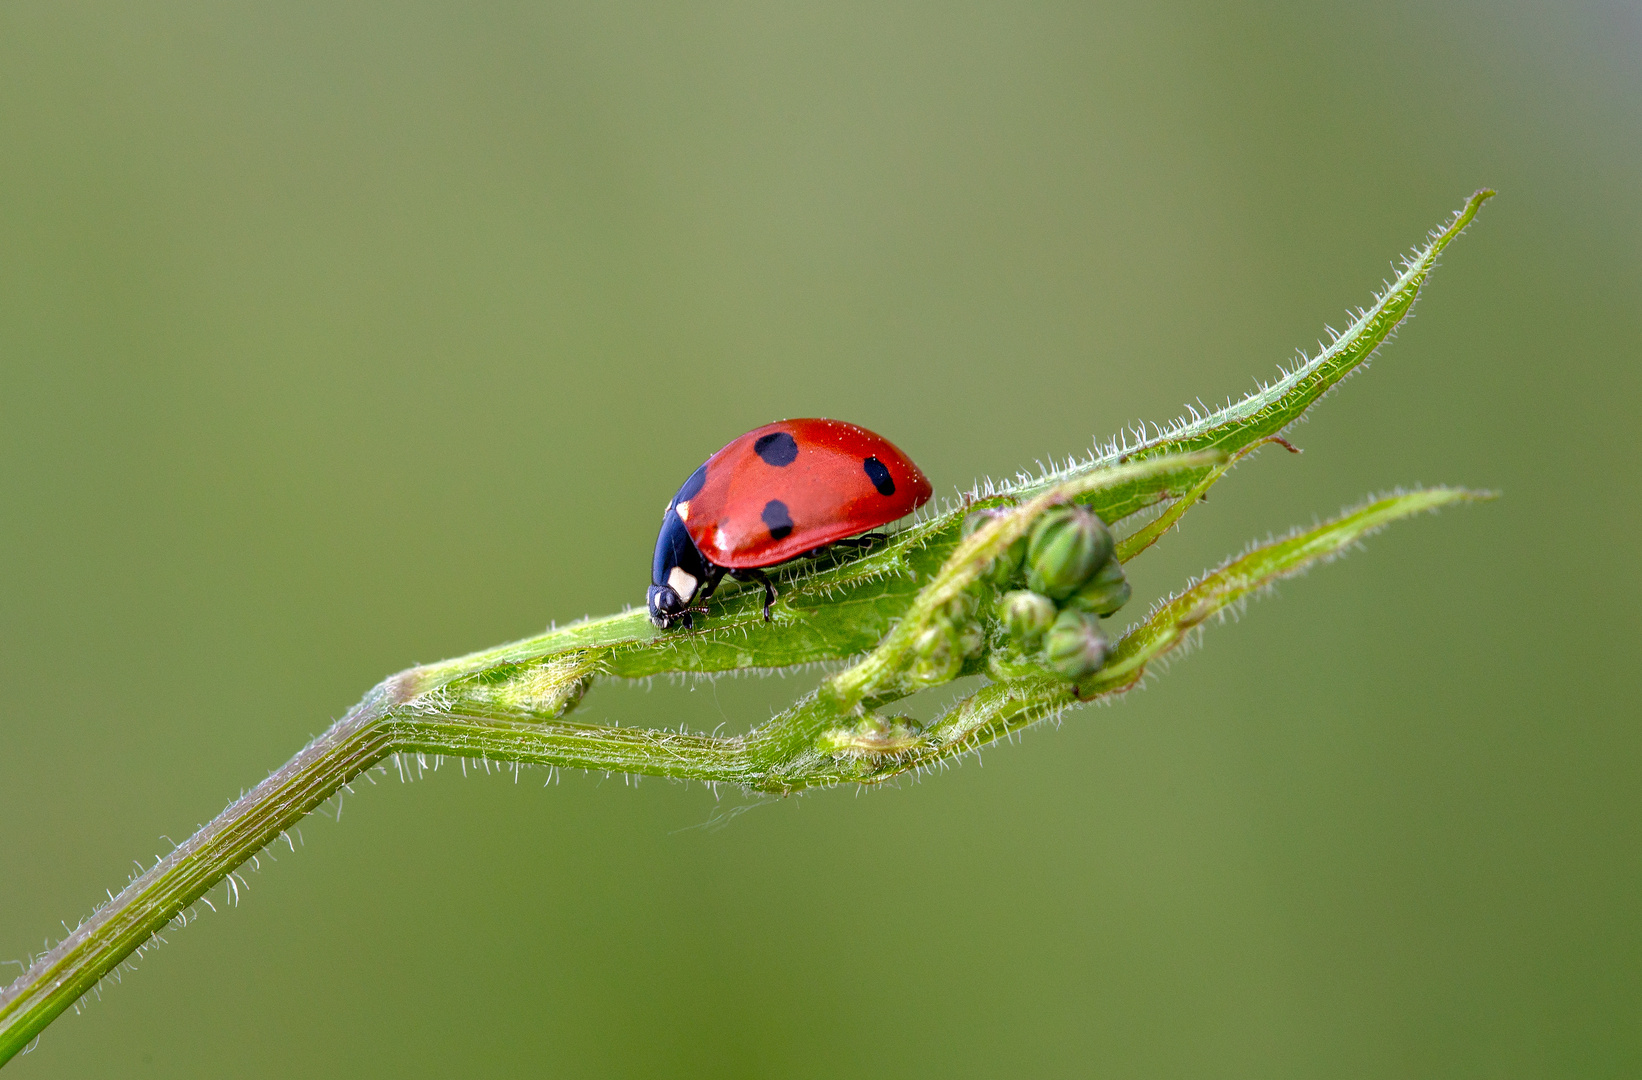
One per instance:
(508, 704)
(405, 715)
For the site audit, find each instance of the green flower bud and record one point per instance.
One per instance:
(874, 738)
(1074, 645)
(1104, 593)
(1002, 571)
(938, 655)
(1026, 615)
(967, 634)
(1068, 545)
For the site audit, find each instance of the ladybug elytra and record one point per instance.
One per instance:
(777, 493)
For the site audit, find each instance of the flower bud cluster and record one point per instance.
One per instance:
(1072, 580)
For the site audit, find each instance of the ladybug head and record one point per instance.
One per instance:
(668, 607)
(676, 574)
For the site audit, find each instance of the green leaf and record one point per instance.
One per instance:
(1274, 407)
(1168, 626)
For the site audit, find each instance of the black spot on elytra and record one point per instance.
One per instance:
(777, 448)
(691, 486)
(776, 517)
(879, 476)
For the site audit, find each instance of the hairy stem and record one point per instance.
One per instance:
(508, 704)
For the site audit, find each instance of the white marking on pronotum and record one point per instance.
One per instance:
(683, 582)
(683, 510)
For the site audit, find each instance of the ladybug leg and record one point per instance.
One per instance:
(714, 576)
(760, 577)
(769, 591)
(865, 540)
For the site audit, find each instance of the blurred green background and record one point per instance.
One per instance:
(337, 337)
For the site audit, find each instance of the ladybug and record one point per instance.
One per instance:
(780, 492)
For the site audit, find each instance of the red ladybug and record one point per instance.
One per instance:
(777, 493)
